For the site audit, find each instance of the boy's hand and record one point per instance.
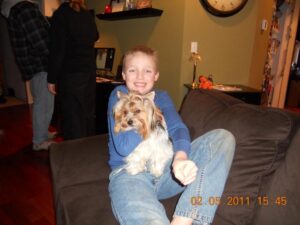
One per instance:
(184, 170)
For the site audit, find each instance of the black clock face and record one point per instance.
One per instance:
(223, 8)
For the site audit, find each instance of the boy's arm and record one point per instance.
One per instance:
(184, 169)
(178, 132)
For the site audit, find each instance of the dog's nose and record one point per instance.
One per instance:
(129, 122)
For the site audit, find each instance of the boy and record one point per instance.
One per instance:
(200, 169)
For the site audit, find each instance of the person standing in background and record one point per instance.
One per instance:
(28, 30)
(72, 67)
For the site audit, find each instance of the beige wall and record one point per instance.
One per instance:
(264, 11)
(227, 45)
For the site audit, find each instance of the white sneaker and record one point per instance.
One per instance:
(42, 146)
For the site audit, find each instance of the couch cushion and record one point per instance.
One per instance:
(85, 204)
(80, 181)
(200, 107)
(89, 204)
(75, 161)
(283, 195)
(262, 136)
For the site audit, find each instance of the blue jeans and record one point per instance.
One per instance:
(43, 105)
(135, 199)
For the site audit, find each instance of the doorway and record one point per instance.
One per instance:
(283, 42)
(293, 91)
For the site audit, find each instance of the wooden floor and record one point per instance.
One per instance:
(25, 180)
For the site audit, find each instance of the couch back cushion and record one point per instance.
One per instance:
(281, 195)
(262, 136)
(79, 161)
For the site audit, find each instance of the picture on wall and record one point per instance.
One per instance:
(105, 58)
(117, 5)
(140, 4)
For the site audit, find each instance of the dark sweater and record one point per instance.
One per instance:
(72, 37)
(28, 30)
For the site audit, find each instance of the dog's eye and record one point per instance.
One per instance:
(137, 111)
(125, 112)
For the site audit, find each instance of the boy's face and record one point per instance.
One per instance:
(140, 72)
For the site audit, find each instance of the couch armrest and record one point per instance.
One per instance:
(79, 161)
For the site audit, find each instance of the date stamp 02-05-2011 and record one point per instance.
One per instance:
(240, 201)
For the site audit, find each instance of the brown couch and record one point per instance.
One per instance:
(263, 183)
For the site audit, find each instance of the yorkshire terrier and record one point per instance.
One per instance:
(139, 112)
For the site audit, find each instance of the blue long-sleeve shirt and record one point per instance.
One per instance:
(122, 144)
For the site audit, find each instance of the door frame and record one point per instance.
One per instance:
(280, 100)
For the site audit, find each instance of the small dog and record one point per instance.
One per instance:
(138, 112)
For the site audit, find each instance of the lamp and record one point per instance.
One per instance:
(195, 57)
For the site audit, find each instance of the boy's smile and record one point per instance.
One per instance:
(140, 72)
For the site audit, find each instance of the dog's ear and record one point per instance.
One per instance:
(117, 128)
(148, 99)
(120, 94)
(150, 95)
(118, 119)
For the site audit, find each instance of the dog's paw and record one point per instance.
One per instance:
(134, 169)
(157, 170)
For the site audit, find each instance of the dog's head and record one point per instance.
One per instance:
(135, 111)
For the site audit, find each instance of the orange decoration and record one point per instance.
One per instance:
(204, 83)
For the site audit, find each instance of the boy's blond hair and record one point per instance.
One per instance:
(143, 49)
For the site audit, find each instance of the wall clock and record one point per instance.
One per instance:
(223, 8)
